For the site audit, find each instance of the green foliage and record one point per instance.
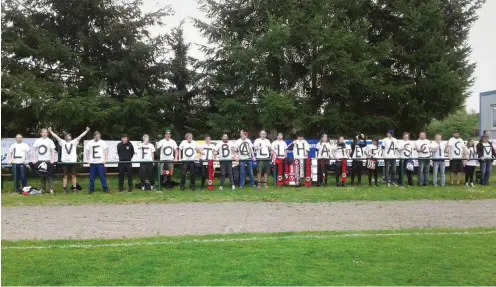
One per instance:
(466, 123)
(357, 65)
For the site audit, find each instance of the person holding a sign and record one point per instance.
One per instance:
(357, 154)
(455, 153)
(324, 151)
(125, 151)
(389, 147)
(18, 155)
(146, 152)
(44, 157)
(422, 147)
(188, 157)
(406, 163)
(97, 155)
(300, 153)
(340, 153)
(225, 153)
(69, 155)
(168, 153)
(244, 149)
(206, 151)
(487, 154)
(439, 151)
(263, 148)
(470, 153)
(372, 151)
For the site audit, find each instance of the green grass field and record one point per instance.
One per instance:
(272, 194)
(406, 257)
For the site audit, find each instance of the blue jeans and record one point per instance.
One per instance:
(97, 170)
(20, 172)
(439, 166)
(423, 171)
(242, 174)
(485, 167)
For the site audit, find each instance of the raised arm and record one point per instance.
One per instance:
(54, 135)
(83, 134)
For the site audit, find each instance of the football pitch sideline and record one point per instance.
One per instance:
(395, 257)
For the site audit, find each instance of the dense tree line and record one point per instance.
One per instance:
(288, 65)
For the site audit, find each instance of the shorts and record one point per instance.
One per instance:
(263, 166)
(69, 168)
(456, 165)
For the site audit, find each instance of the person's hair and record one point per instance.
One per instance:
(18, 135)
(470, 140)
(96, 133)
(207, 136)
(279, 134)
(187, 135)
(146, 135)
(299, 135)
(406, 133)
(67, 135)
(485, 131)
(263, 131)
(225, 135)
(124, 136)
(375, 140)
(43, 129)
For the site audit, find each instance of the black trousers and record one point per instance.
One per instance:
(146, 172)
(374, 173)
(226, 168)
(188, 166)
(235, 171)
(469, 174)
(409, 173)
(123, 169)
(338, 171)
(322, 166)
(204, 173)
(356, 170)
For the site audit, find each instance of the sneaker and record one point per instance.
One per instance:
(193, 187)
(242, 186)
(74, 190)
(472, 184)
(182, 187)
(265, 185)
(130, 190)
(221, 188)
(91, 191)
(142, 187)
(233, 187)
(254, 186)
(64, 189)
(258, 185)
(151, 187)
(389, 184)
(466, 184)
(394, 184)
(52, 191)
(121, 190)
(106, 190)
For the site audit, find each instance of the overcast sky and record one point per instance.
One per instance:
(482, 40)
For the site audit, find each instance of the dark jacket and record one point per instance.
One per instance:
(125, 151)
(480, 150)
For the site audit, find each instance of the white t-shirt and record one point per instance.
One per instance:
(18, 152)
(68, 150)
(457, 146)
(372, 151)
(341, 152)
(45, 147)
(263, 147)
(406, 149)
(188, 150)
(324, 150)
(167, 149)
(207, 152)
(145, 151)
(438, 149)
(472, 155)
(280, 147)
(244, 148)
(487, 151)
(300, 149)
(422, 147)
(225, 151)
(96, 151)
(390, 146)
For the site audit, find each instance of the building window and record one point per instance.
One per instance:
(494, 116)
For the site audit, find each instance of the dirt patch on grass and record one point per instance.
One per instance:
(144, 220)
